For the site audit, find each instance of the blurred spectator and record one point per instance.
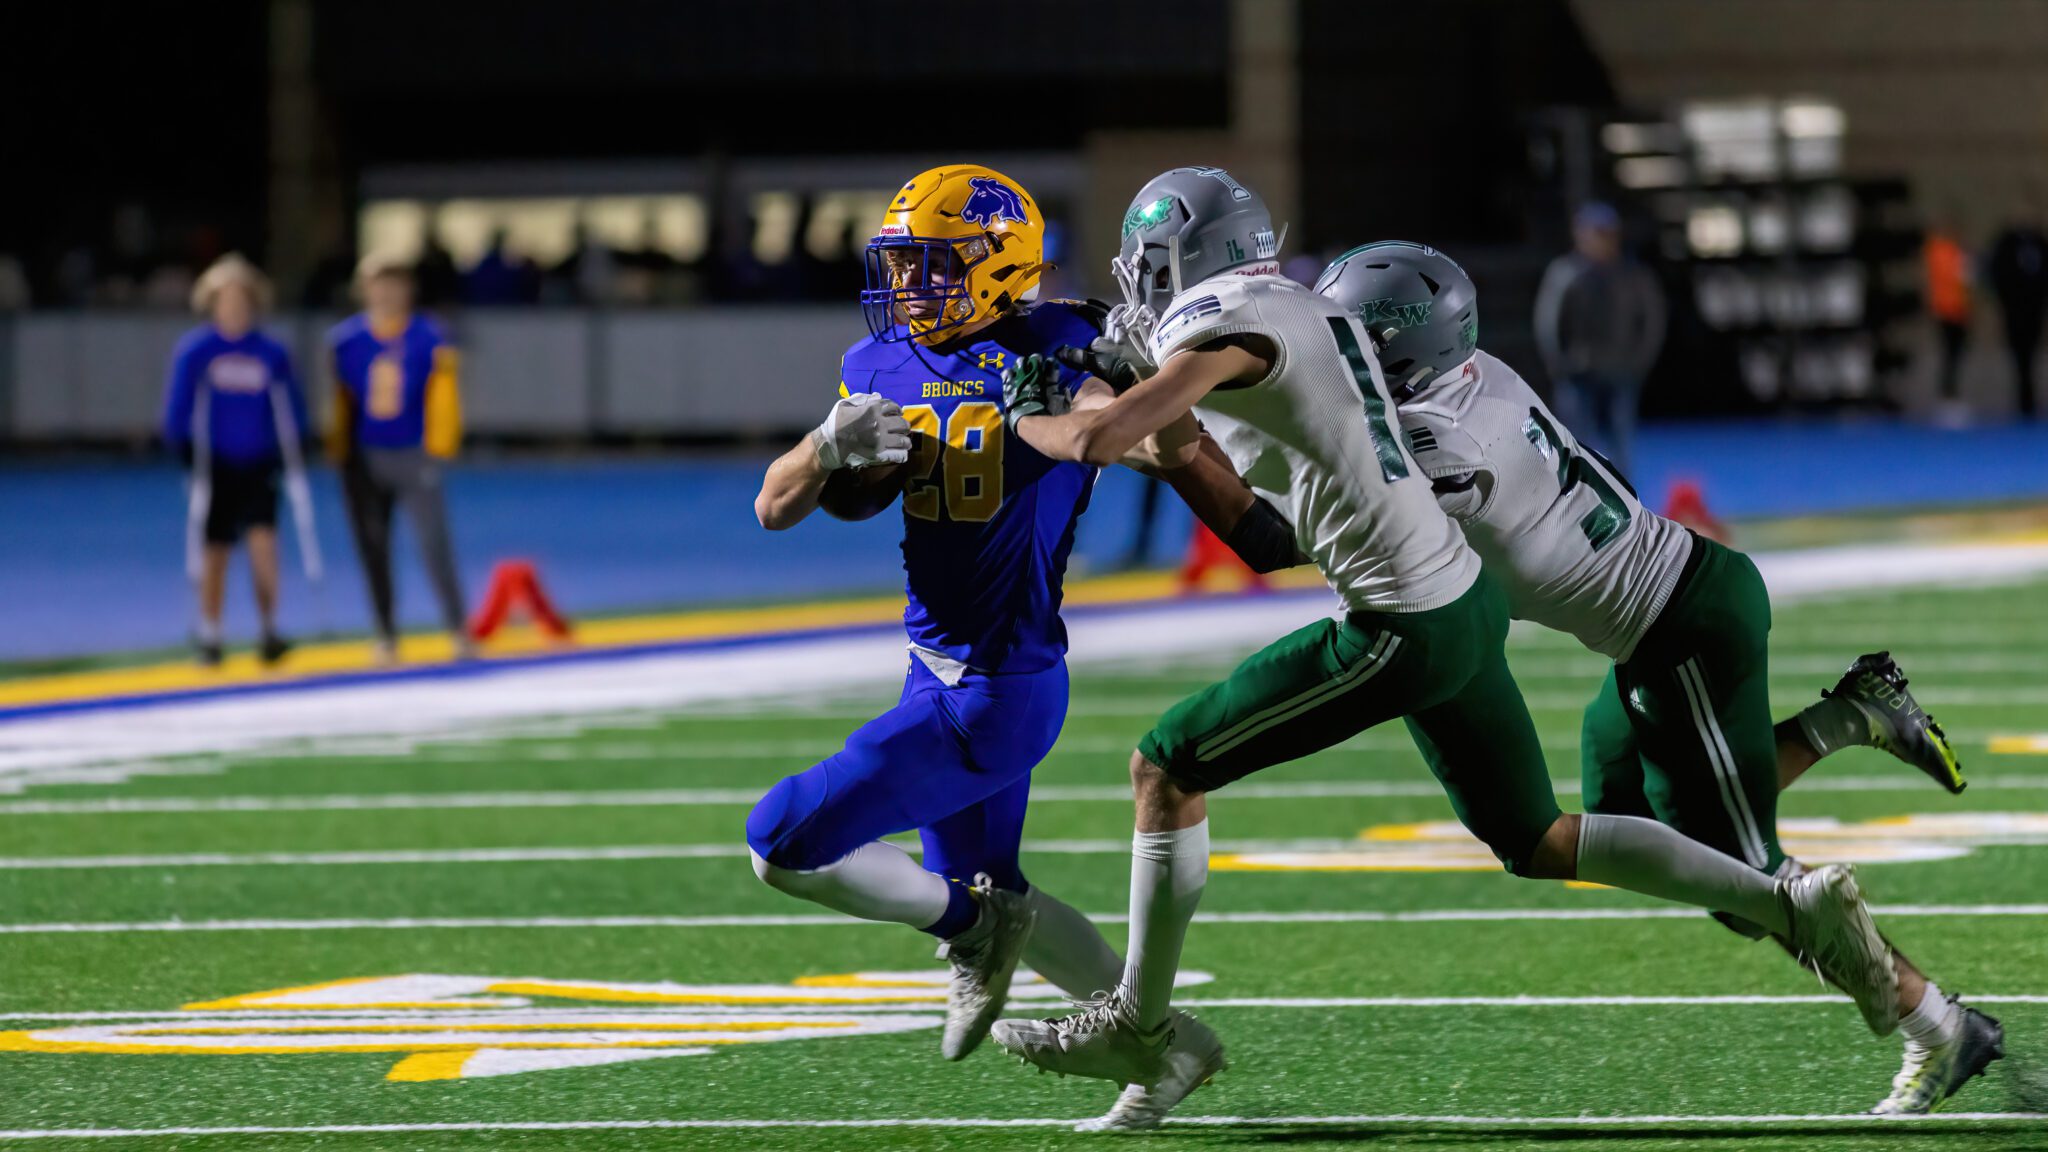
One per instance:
(14, 293)
(499, 277)
(440, 283)
(2019, 276)
(589, 274)
(236, 416)
(1947, 267)
(397, 419)
(1600, 324)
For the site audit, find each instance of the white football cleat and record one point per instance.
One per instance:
(1102, 1041)
(1831, 930)
(1193, 1058)
(984, 958)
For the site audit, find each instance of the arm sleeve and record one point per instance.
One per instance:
(1263, 539)
(443, 415)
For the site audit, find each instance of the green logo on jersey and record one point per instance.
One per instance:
(1384, 313)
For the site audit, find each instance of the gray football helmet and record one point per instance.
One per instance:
(1185, 226)
(1417, 304)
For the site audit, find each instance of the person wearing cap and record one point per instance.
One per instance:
(397, 421)
(1599, 326)
(236, 417)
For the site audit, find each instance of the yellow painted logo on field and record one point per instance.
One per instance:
(1445, 846)
(461, 1027)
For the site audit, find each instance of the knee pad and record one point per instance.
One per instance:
(785, 880)
(778, 826)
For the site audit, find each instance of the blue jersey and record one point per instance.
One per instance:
(239, 382)
(987, 520)
(396, 389)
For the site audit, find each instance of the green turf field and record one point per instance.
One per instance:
(584, 892)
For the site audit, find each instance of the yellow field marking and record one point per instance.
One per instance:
(639, 996)
(430, 1066)
(854, 980)
(357, 655)
(1414, 831)
(244, 1000)
(346, 1029)
(2031, 745)
(29, 1042)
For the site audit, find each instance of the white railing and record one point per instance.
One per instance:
(728, 371)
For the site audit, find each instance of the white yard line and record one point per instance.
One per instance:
(727, 797)
(833, 920)
(1401, 1120)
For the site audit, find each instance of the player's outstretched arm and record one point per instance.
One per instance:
(1227, 506)
(860, 430)
(1105, 434)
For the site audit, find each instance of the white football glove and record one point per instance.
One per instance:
(862, 430)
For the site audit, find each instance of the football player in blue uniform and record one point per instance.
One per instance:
(987, 526)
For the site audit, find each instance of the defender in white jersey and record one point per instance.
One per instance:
(1682, 730)
(1292, 386)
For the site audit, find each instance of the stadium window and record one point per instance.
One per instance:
(542, 229)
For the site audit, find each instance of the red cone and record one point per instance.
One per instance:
(1688, 506)
(1207, 551)
(515, 587)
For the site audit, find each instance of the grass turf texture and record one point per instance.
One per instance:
(1977, 658)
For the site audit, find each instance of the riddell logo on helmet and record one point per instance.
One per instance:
(990, 201)
(894, 230)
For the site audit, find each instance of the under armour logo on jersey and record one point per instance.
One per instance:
(991, 201)
(991, 360)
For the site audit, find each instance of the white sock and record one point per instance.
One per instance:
(1934, 1022)
(1645, 856)
(1833, 724)
(1067, 949)
(1168, 870)
(875, 881)
(209, 631)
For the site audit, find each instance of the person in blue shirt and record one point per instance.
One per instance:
(987, 526)
(397, 421)
(236, 416)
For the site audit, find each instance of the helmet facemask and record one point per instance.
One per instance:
(921, 283)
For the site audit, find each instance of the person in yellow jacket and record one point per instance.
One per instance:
(397, 418)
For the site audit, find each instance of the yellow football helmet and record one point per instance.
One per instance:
(958, 245)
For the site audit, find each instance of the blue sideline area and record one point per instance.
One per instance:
(91, 554)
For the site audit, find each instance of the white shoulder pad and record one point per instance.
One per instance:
(1440, 444)
(1215, 307)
